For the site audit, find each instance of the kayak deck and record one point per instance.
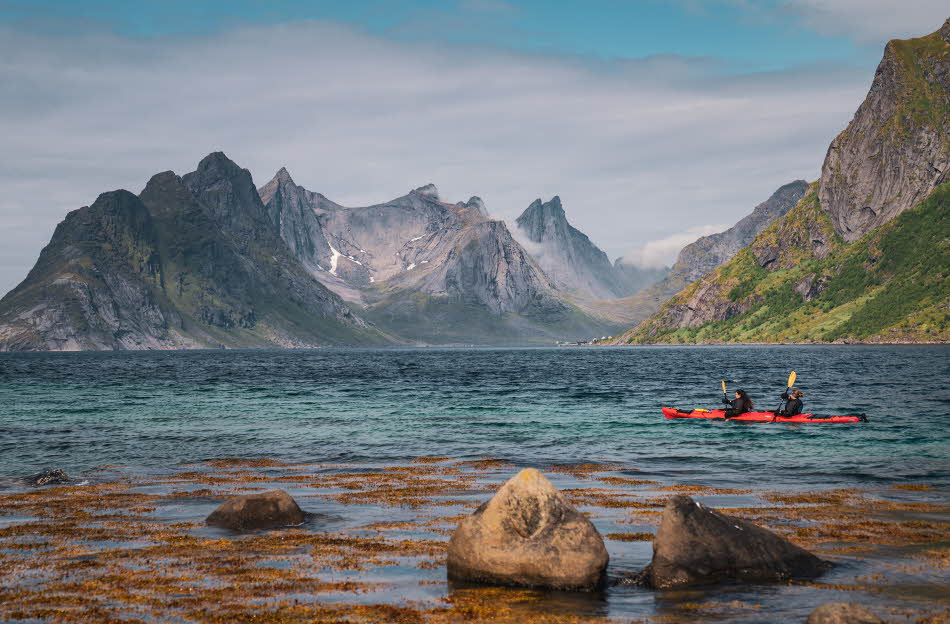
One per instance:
(672, 412)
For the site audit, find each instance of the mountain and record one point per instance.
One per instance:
(702, 256)
(427, 270)
(575, 264)
(864, 256)
(192, 262)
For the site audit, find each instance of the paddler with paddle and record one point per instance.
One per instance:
(740, 405)
(792, 399)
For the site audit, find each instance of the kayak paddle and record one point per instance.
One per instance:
(791, 382)
(724, 388)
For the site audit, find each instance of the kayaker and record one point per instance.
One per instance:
(740, 405)
(793, 403)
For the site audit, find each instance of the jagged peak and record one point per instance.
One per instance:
(217, 161)
(283, 175)
(475, 202)
(161, 179)
(428, 190)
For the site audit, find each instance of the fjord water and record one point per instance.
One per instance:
(151, 411)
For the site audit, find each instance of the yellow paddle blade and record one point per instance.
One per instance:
(723, 386)
(791, 379)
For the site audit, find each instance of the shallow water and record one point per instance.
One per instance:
(144, 415)
(151, 411)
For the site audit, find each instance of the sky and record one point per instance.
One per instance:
(654, 121)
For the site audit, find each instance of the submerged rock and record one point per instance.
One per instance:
(257, 511)
(528, 535)
(48, 477)
(696, 545)
(843, 613)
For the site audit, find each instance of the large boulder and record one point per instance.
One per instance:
(257, 511)
(696, 545)
(843, 613)
(528, 535)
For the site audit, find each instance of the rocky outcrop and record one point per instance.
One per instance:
(528, 535)
(696, 545)
(48, 477)
(896, 150)
(843, 613)
(249, 512)
(192, 262)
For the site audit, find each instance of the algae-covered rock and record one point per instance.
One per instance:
(257, 511)
(696, 545)
(843, 613)
(529, 535)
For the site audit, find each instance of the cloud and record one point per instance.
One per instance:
(636, 148)
(662, 252)
(869, 21)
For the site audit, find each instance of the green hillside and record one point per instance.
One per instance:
(892, 285)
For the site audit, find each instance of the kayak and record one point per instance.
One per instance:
(672, 412)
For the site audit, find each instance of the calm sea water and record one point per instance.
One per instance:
(149, 413)
(152, 411)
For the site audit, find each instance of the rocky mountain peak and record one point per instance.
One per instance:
(283, 176)
(895, 151)
(945, 30)
(428, 190)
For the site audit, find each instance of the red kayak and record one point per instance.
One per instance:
(671, 412)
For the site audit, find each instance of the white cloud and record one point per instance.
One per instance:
(662, 252)
(870, 21)
(635, 148)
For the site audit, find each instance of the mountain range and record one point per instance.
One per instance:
(207, 260)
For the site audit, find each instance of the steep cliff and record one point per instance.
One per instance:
(192, 262)
(864, 256)
(896, 150)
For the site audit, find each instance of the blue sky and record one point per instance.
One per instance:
(756, 36)
(654, 121)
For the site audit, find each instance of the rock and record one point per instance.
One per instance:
(843, 613)
(696, 545)
(891, 155)
(528, 535)
(48, 477)
(257, 511)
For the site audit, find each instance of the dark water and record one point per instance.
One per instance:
(150, 411)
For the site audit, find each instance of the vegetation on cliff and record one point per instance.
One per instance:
(793, 285)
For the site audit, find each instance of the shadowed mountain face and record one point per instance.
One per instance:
(575, 264)
(863, 256)
(896, 150)
(192, 262)
(426, 269)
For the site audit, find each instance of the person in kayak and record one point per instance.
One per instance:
(793, 403)
(740, 405)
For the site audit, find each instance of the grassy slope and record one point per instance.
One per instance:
(893, 285)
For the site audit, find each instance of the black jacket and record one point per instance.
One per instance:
(793, 406)
(739, 406)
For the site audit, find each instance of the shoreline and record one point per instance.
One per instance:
(373, 547)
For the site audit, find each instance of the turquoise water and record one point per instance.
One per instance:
(152, 411)
(146, 414)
